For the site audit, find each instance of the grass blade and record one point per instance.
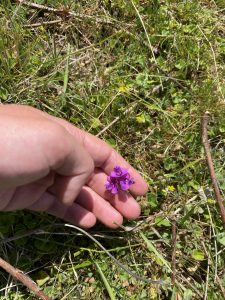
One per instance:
(66, 75)
(152, 248)
(106, 283)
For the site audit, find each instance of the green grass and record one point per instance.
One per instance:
(165, 60)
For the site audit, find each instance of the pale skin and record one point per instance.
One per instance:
(47, 164)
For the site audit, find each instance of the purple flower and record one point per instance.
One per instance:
(119, 179)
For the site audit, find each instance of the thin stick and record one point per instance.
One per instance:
(38, 6)
(173, 256)
(27, 281)
(43, 23)
(206, 145)
(63, 12)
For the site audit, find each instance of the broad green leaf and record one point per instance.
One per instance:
(181, 64)
(42, 277)
(221, 238)
(187, 294)
(152, 200)
(198, 255)
(162, 221)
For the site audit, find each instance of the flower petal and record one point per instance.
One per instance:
(119, 179)
(109, 186)
(114, 174)
(124, 184)
(114, 190)
(131, 181)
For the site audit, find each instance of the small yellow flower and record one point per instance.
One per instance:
(170, 188)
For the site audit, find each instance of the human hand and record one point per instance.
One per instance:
(47, 164)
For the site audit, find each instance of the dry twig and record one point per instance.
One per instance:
(63, 12)
(27, 281)
(206, 145)
(33, 25)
